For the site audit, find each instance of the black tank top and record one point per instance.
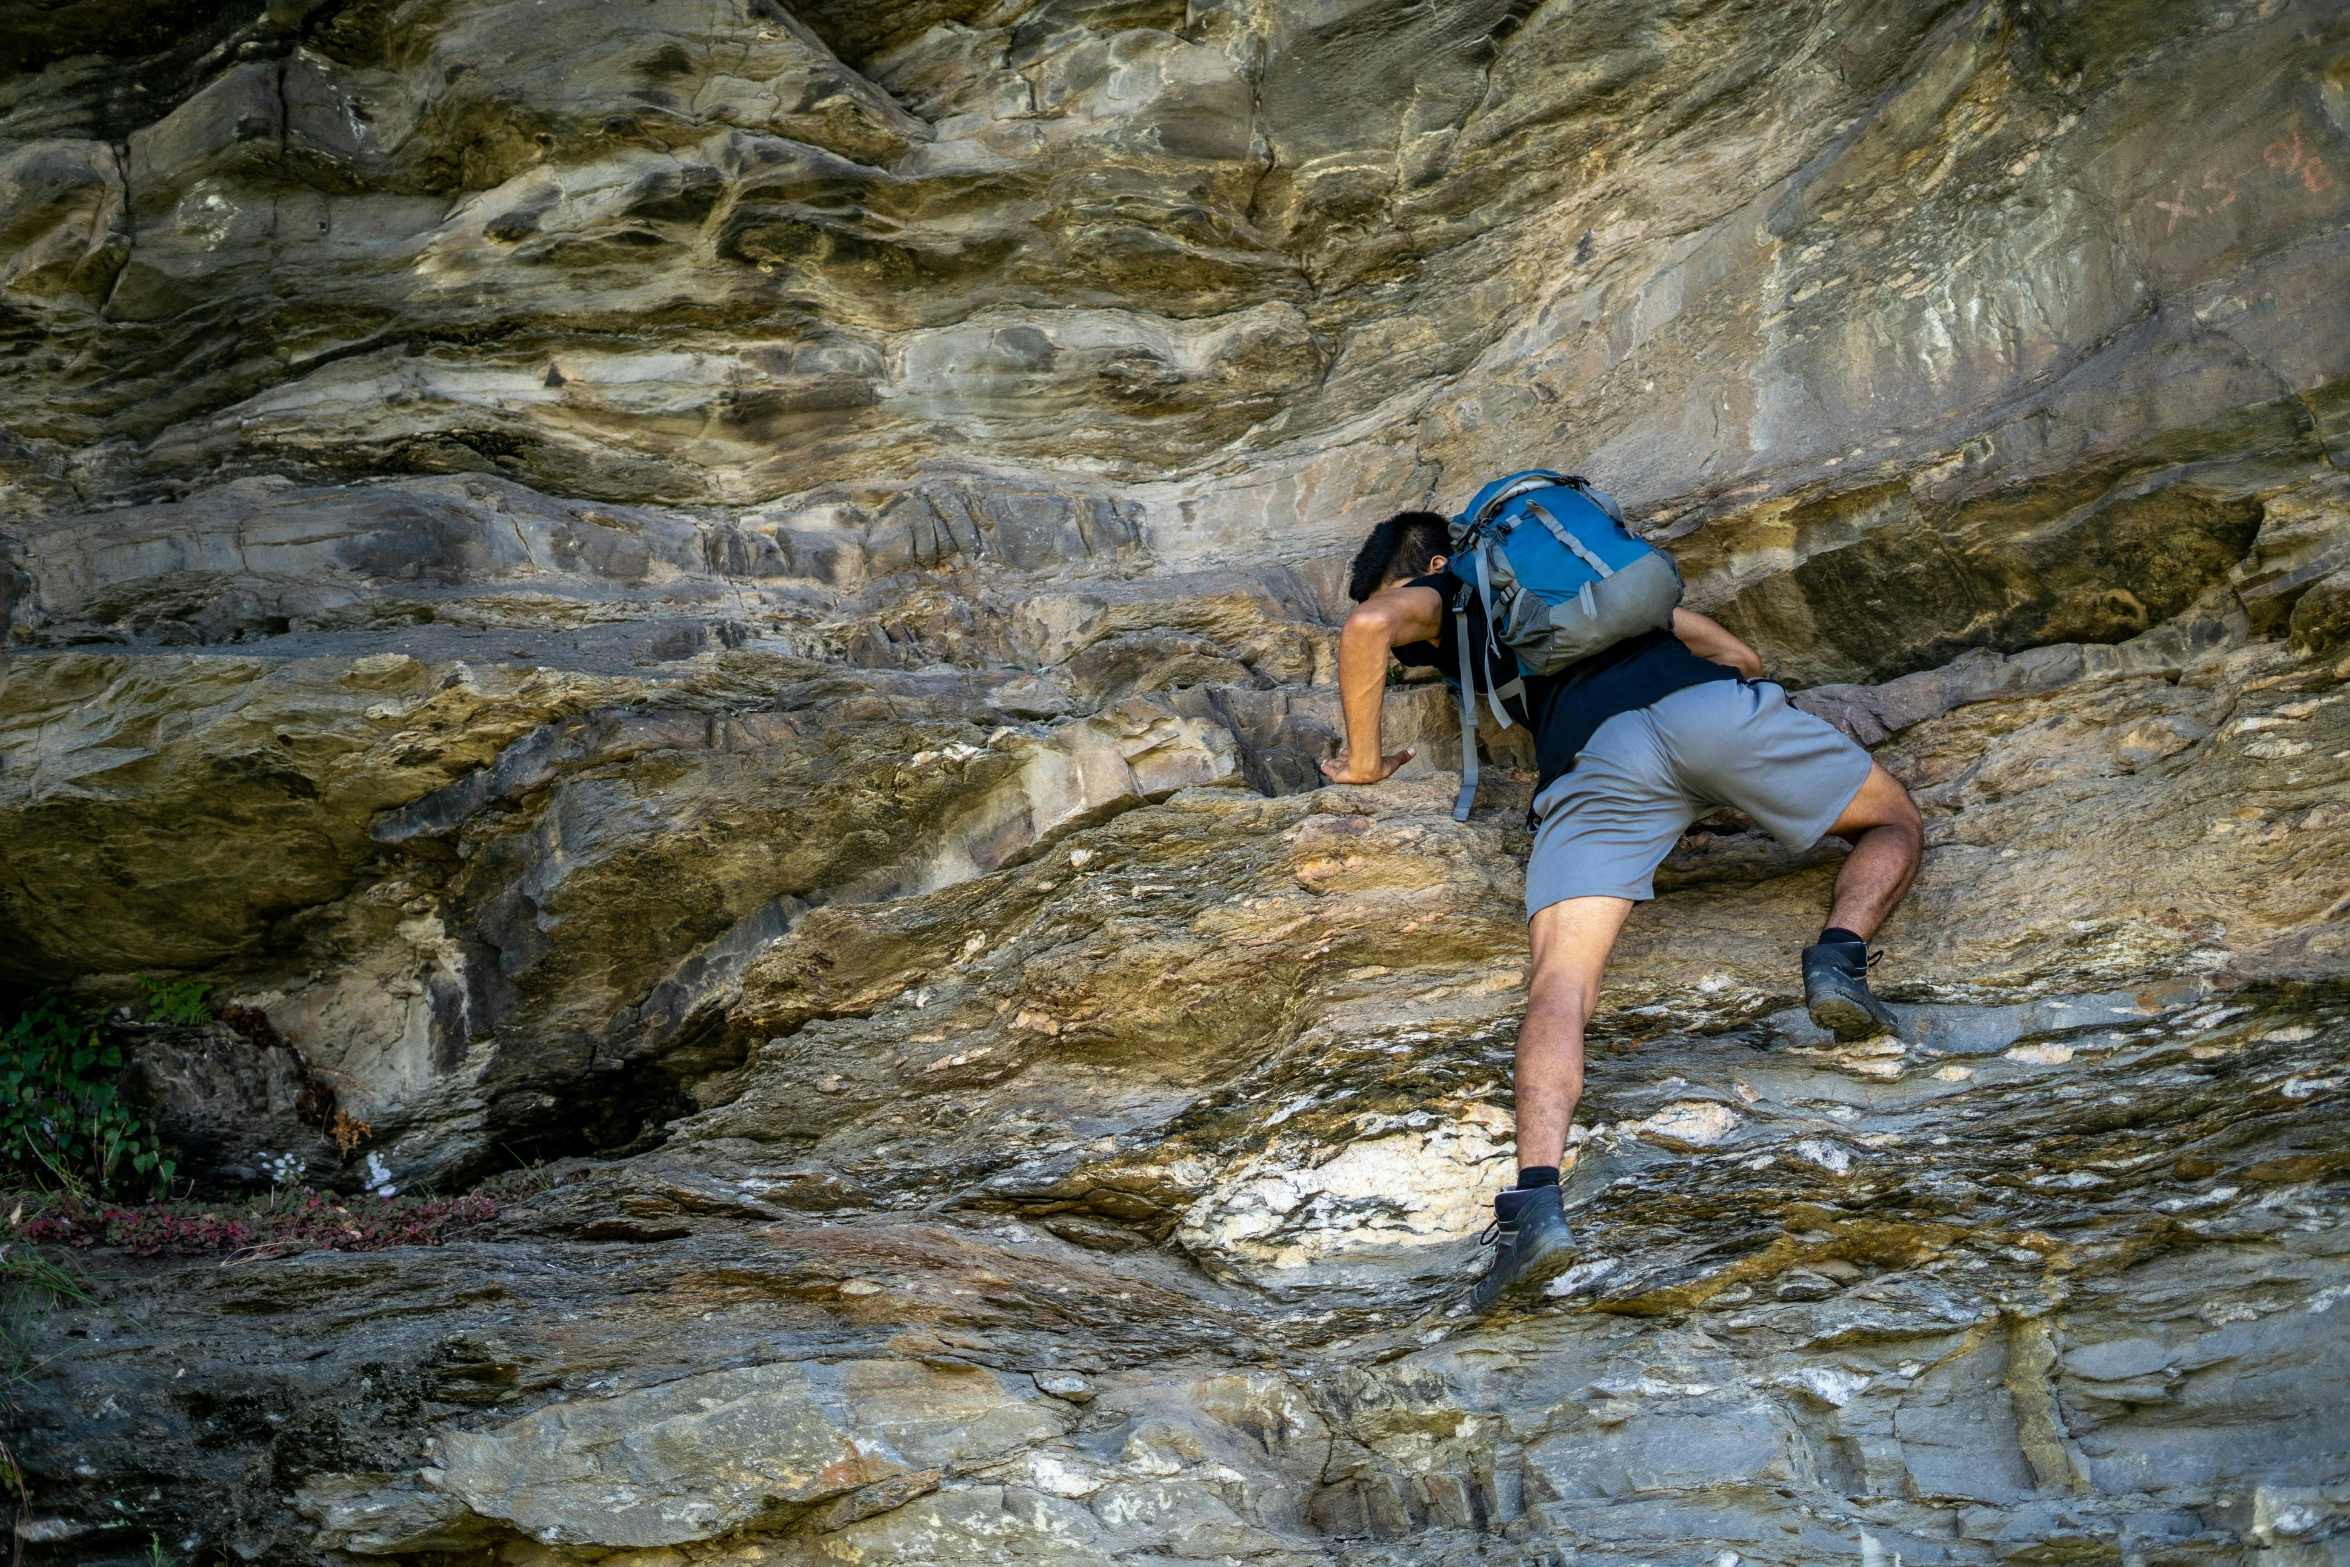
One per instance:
(1566, 709)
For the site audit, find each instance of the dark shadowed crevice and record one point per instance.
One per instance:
(624, 1110)
(856, 30)
(33, 36)
(106, 69)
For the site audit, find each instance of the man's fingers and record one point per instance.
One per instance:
(1340, 768)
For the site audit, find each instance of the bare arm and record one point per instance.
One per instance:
(1708, 640)
(1384, 621)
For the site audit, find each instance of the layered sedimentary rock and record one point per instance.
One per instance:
(1976, 1325)
(744, 595)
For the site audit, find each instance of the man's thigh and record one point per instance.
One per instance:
(1608, 823)
(1572, 939)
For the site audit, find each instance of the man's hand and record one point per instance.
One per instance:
(1341, 768)
(1711, 640)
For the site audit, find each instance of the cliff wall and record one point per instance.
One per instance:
(742, 596)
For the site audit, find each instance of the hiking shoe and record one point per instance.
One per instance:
(1836, 991)
(1531, 1245)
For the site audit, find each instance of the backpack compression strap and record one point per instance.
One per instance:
(1460, 635)
(1574, 546)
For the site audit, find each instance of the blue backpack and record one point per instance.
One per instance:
(1560, 579)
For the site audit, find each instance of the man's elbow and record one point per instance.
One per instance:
(1370, 623)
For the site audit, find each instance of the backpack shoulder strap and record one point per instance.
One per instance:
(1460, 636)
(1598, 497)
(1492, 632)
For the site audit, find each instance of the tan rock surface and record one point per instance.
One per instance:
(744, 595)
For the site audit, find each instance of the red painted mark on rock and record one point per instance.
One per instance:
(2286, 155)
(2289, 156)
(2179, 207)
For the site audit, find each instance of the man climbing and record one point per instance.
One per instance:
(1634, 743)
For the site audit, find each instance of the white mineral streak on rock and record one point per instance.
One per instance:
(1649, 1387)
(1694, 1123)
(2284, 1513)
(2041, 1055)
(1834, 1386)
(1581, 1277)
(1060, 1474)
(2216, 1197)
(1276, 1213)
(1832, 1157)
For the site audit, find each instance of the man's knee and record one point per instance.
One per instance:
(1903, 822)
(1903, 817)
(1882, 802)
(1905, 813)
(1559, 988)
(1571, 940)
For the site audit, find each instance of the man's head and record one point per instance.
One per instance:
(1406, 545)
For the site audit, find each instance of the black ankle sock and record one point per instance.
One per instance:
(1538, 1175)
(1839, 935)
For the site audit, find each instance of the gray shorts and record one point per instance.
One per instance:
(1647, 774)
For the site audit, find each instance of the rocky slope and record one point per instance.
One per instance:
(744, 596)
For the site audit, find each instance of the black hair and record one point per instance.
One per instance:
(1402, 546)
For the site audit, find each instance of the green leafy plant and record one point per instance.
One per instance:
(64, 1120)
(181, 1002)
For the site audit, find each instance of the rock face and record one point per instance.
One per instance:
(744, 596)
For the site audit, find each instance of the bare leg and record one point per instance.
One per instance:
(1571, 943)
(1886, 835)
